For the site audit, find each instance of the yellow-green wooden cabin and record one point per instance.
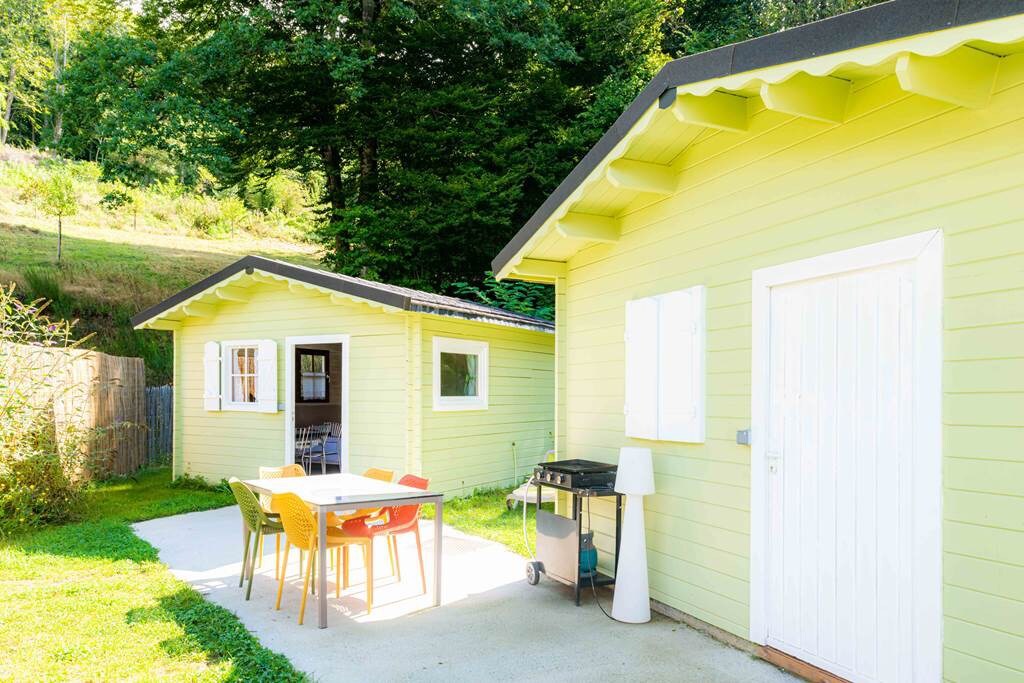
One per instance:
(360, 354)
(794, 269)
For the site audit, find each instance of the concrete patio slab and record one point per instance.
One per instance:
(492, 624)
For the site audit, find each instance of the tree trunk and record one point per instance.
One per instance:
(60, 238)
(368, 159)
(335, 196)
(368, 168)
(60, 63)
(5, 127)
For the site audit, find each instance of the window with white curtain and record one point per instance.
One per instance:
(242, 374)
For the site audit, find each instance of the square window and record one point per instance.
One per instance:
(460, 374)
(314, 378)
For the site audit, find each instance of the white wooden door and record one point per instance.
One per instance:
(839, 453)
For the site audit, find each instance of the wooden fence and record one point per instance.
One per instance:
(90, 393)
(113, 388)
(160, 422)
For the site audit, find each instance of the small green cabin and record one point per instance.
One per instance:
(416, 382)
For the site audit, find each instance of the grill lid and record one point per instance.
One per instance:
(577, 466)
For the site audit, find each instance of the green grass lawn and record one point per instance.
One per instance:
(484, 514)
(90, 600)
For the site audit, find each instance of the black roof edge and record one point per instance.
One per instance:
(250, 263)
(876, 24)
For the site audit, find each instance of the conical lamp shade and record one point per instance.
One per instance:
(635, 474)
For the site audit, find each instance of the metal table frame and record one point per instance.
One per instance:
(578, 494)
(399, 495)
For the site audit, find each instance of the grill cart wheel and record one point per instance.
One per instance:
(533, 570)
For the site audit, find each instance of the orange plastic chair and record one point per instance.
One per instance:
(334, 519)
(292, 470)
(394, 520)
(300, 529)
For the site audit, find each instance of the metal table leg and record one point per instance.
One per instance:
(438, 533)
(321, 560)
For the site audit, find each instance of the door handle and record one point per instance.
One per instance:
(774, 459)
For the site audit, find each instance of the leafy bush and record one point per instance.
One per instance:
(191, 482)
(529, 298)
(213, 217)
(117, 198)
(232, 215)
(41, 467)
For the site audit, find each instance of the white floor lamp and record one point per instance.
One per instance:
(635, 479)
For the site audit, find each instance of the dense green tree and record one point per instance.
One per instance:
(438, 126)
(697, 25)
(128, 103)
(22, 61)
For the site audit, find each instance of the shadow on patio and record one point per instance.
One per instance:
(491, 623)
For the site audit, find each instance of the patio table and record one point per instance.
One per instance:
(340, 492)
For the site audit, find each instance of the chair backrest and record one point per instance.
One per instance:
(297, 519)
(303, 440)
(293, 470)
(247, 503)
(401, 516)
(377, 473)
(335, 430)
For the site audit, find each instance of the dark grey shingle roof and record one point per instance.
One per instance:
(390, 295)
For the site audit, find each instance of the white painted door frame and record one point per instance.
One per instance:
(925, 251)
(289, 391)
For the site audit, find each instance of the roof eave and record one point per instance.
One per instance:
(154, 317)
(894, 20)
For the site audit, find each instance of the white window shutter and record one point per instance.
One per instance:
(266, 376)
(681, 366)
(642, 368)
(211, 376)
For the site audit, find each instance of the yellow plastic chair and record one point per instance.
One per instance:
(300, 529)
(292, 470)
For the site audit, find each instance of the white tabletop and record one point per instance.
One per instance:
(339, 489)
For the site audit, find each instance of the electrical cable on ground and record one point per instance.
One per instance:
(593, 586)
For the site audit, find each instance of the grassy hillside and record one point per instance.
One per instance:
(117, 262)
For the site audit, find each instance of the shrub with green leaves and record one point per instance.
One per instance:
(41, 466)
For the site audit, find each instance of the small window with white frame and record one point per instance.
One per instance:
(241, 372)
(460, 374)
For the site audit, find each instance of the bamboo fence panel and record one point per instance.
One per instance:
(99, 395)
